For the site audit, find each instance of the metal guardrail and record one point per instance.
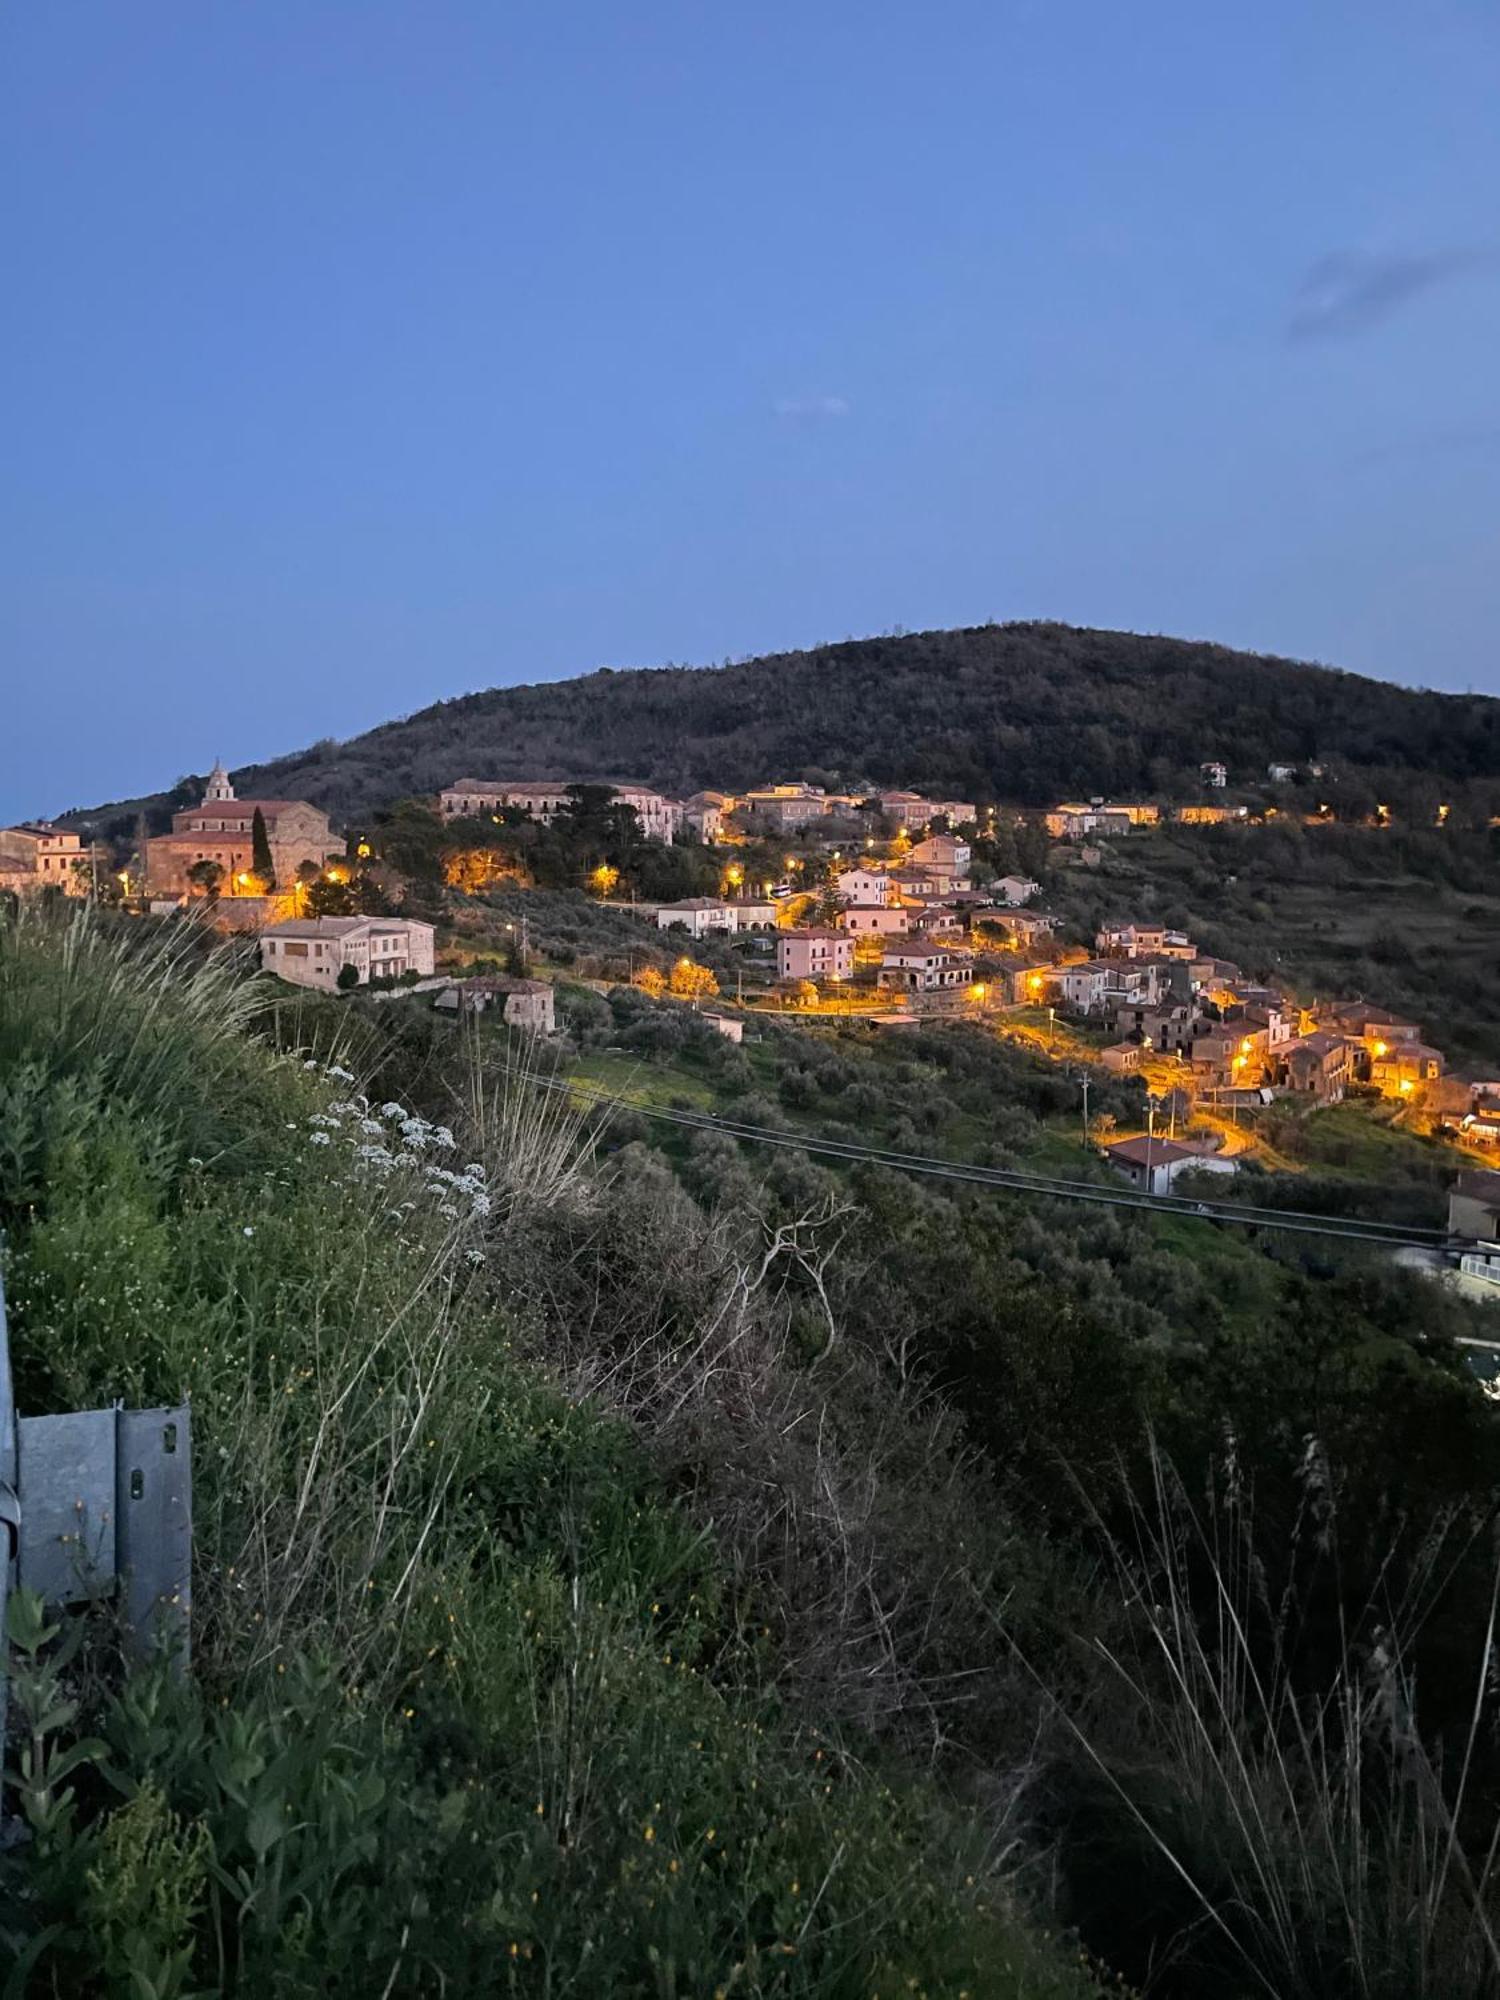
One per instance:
(95, 1504)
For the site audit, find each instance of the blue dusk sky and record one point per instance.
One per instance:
(355, 353)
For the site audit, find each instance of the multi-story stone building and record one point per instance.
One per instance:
(220, 829)
(39, 855)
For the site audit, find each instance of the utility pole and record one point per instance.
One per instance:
(1150, 1135)
(1085, 1082)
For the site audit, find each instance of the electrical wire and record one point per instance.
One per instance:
(1051, 1187)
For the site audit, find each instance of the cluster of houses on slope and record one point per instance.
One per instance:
(916, 911)
(1166, 998)
(710, 814)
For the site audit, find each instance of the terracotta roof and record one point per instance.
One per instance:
(500, 982)
(1321, 1043)
(242, 808)
(1142, 1152)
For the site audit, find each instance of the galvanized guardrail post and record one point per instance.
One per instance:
(98, 1503)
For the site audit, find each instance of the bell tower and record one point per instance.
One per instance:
(219, 787)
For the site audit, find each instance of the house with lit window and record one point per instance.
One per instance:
(1405, 1066)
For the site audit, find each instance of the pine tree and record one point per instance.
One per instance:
(261, 864)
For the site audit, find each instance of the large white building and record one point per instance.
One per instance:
(313, 951)
(544, 799)
(704, 916)
(477, 798)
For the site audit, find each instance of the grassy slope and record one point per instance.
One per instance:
(471, 1703)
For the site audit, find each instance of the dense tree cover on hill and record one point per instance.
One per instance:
(1020, 712)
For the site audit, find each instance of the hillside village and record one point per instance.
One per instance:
(885, 906)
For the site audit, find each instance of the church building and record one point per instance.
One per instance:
(219, 830)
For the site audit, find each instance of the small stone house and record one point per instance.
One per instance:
(523, 1003)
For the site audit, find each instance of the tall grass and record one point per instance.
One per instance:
(1273, 1831)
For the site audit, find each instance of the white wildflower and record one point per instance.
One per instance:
(318, 1139)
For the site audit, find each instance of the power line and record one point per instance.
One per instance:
(1051, 1187)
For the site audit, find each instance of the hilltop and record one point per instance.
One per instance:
(1020, 712)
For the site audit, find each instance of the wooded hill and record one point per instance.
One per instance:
(1020, 712)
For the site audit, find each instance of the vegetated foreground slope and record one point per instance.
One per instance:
(471, 1707)
(1021, 712)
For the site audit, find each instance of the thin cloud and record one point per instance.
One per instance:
(1457, 439)
(1349, 291)
(811, 409)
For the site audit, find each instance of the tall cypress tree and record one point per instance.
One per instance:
(261, 863)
